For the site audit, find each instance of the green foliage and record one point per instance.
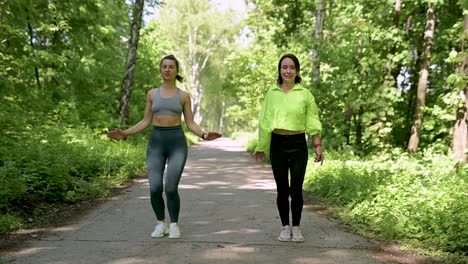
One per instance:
(398, 197)
(283, 19)
(68, 164)
(58, 63)
(260, 62)
(248, 140)
(202, 47)
(72, 51)
(9, 222)
(369, 68)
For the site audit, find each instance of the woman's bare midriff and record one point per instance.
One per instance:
(286, 132)
(166, 121)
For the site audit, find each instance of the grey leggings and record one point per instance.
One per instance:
(166, 144)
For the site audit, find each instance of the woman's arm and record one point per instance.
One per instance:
(188, 116)
(319, 157)
(148, 116)
(265, 126)
(264, 131)
(314, 127)
(138, 127)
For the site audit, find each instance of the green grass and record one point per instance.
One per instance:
(398, 198)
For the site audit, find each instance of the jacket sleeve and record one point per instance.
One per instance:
(264, 127)
(313, 124)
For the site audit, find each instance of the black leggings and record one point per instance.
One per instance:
(289, 154)
(166, 144)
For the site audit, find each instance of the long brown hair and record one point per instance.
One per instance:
(298, 79)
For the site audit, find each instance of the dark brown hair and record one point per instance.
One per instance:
(298, 79)
(173, 58)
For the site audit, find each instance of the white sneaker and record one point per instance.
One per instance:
(297, 234)
(174, 231)
(285, 234)
(160, 229)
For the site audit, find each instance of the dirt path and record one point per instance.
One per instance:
(228, 215)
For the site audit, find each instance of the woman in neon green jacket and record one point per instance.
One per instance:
(289, 112)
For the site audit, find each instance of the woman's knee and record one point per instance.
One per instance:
(283, 194)
(297, 196)
(171, 194)
(156, 189)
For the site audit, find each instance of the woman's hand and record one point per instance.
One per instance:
(259, 156)
(212, 135)
(319, 157)
(117, 134)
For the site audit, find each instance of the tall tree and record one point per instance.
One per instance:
(460, 135)
(319, 37)
(396, 16)
(197, 40)
(127, 83)
(422, 83)
(31, 43)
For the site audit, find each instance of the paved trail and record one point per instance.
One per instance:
(228, 216)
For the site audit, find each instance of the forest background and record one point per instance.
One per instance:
(389, 77)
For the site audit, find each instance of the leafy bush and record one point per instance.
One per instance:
(398, 198)
(248, 140)
(9, 222)
(60, 164)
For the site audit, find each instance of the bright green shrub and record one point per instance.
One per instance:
(400, 198)
(9, 222)
(12, 185)
(345, 182)
(248, 140)
(65, 164)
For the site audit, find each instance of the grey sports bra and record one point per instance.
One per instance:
(166, 106)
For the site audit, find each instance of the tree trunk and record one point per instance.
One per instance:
(409, 23)
(318, 38)
(396, 20)
(197, 64)
(461, 125)
(353, 112)
(413, 80)
(127, 82)
(391, 77)
(359, 128)
(412, 91)
(396, 16)
(347, 131)
(422, 83)
(31, 43)
(221, 117)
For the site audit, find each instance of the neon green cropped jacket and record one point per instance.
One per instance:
(295, 111)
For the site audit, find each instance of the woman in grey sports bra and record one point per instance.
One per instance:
(164, 107)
